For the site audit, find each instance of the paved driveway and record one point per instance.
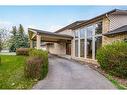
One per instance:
(68, 74)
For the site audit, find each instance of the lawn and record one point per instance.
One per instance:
(12, 73)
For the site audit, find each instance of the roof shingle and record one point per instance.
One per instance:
(122, 29)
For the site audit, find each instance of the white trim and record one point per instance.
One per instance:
(85, 40)
(93, 43)
(85, 53)
(79, 43)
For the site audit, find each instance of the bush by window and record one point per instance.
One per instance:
(113, 58)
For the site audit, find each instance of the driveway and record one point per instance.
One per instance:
(69, 74)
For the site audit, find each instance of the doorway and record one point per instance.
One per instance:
(68, 48)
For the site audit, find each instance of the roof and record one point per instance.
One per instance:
(71, 25)
(99, 17)
(119, 30)
(49, 33)
(79, 24)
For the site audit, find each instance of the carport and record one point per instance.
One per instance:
(45, 36)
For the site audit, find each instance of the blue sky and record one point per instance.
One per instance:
(49, 18)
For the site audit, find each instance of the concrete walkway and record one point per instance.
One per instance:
(68, 74)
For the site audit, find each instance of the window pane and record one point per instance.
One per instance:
(82, 46)
(82, 33)
(98, 43)
(98, 29)
(89, 47)
(76, 48)
(76, 33)
(90, 31)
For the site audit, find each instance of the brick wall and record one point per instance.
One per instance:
(110, 39)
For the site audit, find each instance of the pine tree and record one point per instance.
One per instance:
(19, 38)
(14, 30)
(0, 42)
(21, 30)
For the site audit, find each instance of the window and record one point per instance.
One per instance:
(98, 29)
(76, 33)
(88, 40)
(98, 43)
(90, 31)
(89, 47)
(76, 48)
(82, 33)
(82, 46)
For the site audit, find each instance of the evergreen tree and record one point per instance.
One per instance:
(21, 30)
(14, 30)
(0, 42)
(19, 38)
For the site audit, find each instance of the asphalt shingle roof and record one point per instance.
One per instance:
(122, 29)
(49, 33)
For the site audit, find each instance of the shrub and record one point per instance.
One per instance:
(22, 51)
(113, 58)
(37, 64)
(0, 60)
(32, 68)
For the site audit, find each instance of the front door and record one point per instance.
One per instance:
(68, 49)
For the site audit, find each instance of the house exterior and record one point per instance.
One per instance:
(81, 39)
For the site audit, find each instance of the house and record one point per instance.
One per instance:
(81, 39)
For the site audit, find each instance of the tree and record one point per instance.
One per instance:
(18, 39)
(4, 35)
(21, 30)
(0, 42)
(14, 30)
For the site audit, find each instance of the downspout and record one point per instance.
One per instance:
(109, 22)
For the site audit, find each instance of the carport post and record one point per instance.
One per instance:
(38, 41)
(31, 43)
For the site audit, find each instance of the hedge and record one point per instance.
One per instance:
(22, 51)
(113, 58)
(0, 60)
(37, 64)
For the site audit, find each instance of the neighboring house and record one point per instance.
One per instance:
(81, 39)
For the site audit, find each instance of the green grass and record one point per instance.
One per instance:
(116, 83)
(12, 73)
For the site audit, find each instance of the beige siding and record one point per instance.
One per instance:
(67, 32)
(60, 48)
(112, 23)
(117, 21)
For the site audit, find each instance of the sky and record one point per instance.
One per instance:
(49, 18)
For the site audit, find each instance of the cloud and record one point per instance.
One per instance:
(32, 26)
(54, 28)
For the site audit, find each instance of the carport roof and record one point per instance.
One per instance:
(48, 36)
(49, 33)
